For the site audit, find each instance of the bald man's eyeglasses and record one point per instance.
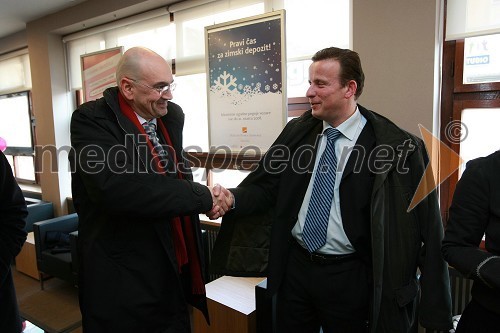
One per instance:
(161, 90)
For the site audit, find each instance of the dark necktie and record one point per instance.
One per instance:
(318, 211)
(150, 129)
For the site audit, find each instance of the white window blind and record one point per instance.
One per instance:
(157, 34)
(15, 73)
(469, 18)
(309, 28)
(316, 25)
(190, 27)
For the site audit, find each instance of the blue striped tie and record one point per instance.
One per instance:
(320, 204)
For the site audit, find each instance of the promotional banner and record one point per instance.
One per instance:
(99, 72)
(246, 82)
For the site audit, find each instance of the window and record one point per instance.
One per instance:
(196, 123)
(469, 99)
(16, 117)
(16, 131)
(331, 27)
(480, 135)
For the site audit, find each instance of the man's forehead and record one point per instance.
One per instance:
(160, 73)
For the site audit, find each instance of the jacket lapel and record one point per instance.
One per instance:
(135, 140)
(361, 151)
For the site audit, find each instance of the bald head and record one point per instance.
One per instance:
(141, 74)
(137, 62)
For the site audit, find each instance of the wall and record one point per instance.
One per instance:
(396, 42)
(13, 42)
(395, 39)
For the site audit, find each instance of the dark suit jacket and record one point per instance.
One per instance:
(474, 212)
(255, 237)
(13, 214)
(129, 279)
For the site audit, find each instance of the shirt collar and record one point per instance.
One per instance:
(349, 127)
(142, 120)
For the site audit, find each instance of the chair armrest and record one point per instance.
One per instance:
(65, 223)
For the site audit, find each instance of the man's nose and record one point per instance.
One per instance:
(167, 95)
(310, 91)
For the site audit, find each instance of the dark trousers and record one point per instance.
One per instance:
(478, 319)
(334, 296)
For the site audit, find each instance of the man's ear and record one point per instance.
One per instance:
(126, 89)
(352, 87)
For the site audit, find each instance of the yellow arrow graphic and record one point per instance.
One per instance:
(443, 163)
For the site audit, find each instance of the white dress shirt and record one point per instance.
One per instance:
(336, 238)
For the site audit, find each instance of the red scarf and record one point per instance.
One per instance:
(184, 239)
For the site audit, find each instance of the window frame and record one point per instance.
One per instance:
(455, 97)
(17, 152)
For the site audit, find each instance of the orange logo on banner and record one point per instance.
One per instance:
(243, 130)
(442, 165)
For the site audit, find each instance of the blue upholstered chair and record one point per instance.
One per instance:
(53, 248)
(38, 210)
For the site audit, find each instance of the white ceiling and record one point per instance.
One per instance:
(14, 14)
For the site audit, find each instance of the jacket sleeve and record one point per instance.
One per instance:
(435, 300)
(245, 231)
(469, 217)
(13, 214)
(106, 163)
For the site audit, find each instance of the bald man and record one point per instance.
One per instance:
(139, 234)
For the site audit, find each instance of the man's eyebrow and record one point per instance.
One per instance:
(162, 84)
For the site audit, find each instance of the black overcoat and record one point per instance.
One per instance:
(128, 274)
(255, 237)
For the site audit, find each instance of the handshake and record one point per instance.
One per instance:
(223, 200)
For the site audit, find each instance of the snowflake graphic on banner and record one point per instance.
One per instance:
(225, 86)
(225, 82)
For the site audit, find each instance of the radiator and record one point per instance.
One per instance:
(460, 295)
(209, 234)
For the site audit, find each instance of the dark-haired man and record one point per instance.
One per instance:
(331, 229)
